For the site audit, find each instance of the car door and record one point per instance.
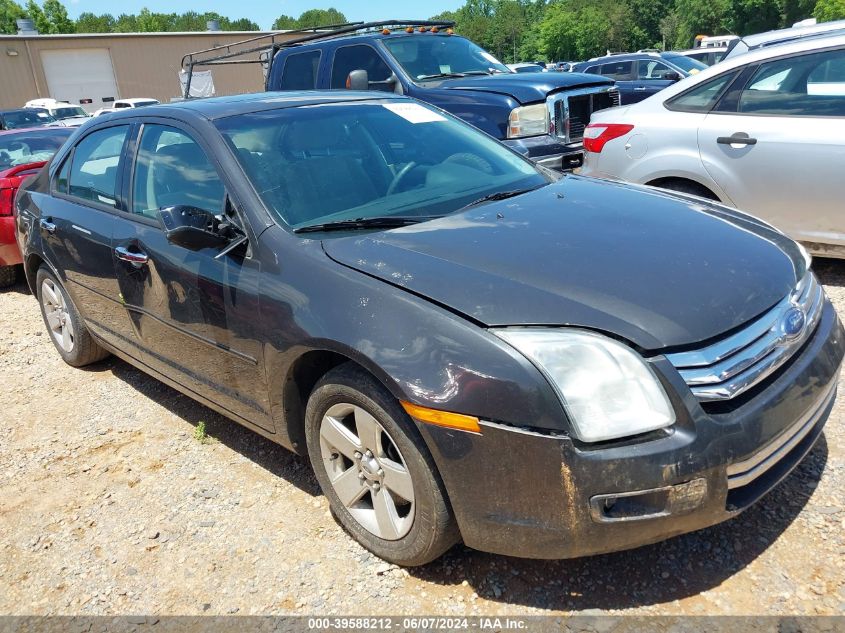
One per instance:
(651, 78)
(776, 144)
(623, 73)
(192, 312)
(76, 224)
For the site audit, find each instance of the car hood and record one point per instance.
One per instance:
(660, 270)
(526, 87)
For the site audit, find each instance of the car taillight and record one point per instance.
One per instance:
(597, 135)
(7, 199)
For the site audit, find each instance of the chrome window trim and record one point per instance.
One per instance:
(729, 367)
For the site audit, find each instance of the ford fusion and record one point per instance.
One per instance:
(465, 346)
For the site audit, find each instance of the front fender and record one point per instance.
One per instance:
(422, 352)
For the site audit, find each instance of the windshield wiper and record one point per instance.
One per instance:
(386, 222)
(441, 76)
(499, 195)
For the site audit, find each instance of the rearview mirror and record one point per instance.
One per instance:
(191, 227)
(358, 80)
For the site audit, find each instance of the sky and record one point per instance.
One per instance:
(264, 12)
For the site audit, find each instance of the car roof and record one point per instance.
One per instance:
(221, 107)
(624, 57)
(701, 49)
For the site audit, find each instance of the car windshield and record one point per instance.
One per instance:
(385, 159)
(688, 64)
(69, 112)
(436, 55)
(30, 147)
(27, 118)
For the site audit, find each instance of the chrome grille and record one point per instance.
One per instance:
(729, 367)
(571, 111)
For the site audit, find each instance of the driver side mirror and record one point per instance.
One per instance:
(191, 227)
(358, 80)
(672, 76)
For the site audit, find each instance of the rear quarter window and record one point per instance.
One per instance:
(300, 71)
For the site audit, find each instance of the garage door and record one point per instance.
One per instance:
(82, 75)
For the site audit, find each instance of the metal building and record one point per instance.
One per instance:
(95, 69)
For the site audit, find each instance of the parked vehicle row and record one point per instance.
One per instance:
(762, 132)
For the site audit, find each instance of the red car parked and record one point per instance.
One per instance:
(22, 153)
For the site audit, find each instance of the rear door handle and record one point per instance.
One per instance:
(738, 138)
(47, 226)
(136, 258)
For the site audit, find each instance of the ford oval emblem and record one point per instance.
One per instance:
(792, 323)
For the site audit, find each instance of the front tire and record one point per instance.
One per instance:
(373, 467)
(67, 330)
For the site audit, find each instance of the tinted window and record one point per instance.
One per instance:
(93, 174)
(596, 70)
(30, 147)
(61, 178)
(300, 71)
(27, 118)
(804, 85)
(688, 64)
(703, 97)
(328, 162)
(647, 69)
(172, 169)
(618, 70)
(359, 57)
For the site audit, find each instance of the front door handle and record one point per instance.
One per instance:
(640, 89)
(136, 258)
(738, 138)
(47, 226)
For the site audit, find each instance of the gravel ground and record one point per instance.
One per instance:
(110, 505)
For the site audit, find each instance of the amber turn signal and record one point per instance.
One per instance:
(442, 418)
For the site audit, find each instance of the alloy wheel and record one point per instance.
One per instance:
(367, 471)
(56, 312)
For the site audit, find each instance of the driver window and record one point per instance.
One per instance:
(652, 70)
(171, 170)
(360, 57)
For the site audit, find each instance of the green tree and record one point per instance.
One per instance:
(9, 12)
(88, 22)
(285, 23)
(827, 10)
(701, 17)
(56, 15)
(36, 14)
(754, 16)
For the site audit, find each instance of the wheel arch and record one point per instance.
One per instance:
(695, 184)
(298, 381)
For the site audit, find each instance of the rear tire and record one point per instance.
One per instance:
(8, 276)
(67, 330)
(365, 448)
(686, 186)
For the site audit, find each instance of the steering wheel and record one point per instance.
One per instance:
(397, 179)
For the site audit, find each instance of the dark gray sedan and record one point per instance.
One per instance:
(465, 345)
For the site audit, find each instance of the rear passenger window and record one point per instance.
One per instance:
(93, 173)
(620, 71)
(300, 71)
(360, 57)
(701, 98)
(803, 85)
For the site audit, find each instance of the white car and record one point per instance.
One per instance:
(120, 104)
(764, 132)
(67, 114)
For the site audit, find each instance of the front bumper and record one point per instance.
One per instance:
(9, 252)
(549, 151)
(523, 493)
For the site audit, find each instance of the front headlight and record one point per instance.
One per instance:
(530, 120)
(607, 389)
